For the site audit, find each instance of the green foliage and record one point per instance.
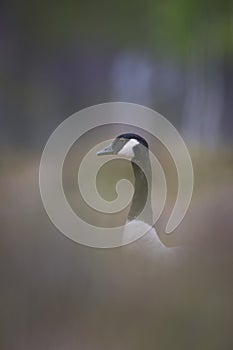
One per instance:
(170, 26)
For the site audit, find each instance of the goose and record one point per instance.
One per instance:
(136, 149)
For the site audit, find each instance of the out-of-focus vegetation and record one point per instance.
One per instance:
(173, 56)
(56, 293)
(166, 26)
(57, 58)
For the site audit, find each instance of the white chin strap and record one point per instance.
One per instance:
(127, 151)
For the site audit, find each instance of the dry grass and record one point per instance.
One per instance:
(56, 294)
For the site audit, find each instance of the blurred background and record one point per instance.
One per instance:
(58, 58)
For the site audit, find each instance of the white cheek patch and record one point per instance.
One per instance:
(127, 150)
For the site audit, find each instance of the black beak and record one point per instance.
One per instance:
(106, 151)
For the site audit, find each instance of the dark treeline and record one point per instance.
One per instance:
(59, 58)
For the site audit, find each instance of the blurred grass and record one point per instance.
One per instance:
(56, 294)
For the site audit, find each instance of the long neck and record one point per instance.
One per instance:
(142, 193)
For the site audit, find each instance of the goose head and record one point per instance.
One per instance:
(128, 145)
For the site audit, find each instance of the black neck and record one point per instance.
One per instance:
(142, 193)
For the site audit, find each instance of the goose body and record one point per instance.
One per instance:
(136, 149)
(149, 241)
